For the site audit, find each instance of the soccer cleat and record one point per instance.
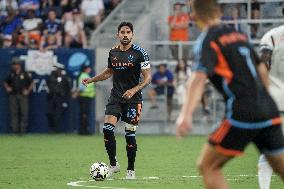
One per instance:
(113, 169)
(130, 175)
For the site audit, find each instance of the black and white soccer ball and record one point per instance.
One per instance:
(99, 171)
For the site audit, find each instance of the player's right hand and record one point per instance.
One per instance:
(86, 81)
(183, 125)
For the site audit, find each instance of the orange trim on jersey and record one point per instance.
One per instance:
(139, 109)
(276, 121)
(221, 132)
(228, 152)
(222, 68)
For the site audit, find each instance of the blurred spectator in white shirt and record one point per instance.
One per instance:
(182, 73)
(31, 34)
(4, 4)
(93, 11)
(74, 31)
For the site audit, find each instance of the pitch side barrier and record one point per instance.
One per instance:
(40, 65)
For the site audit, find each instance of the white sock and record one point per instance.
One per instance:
(264, 173)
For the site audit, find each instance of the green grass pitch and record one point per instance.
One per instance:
(53, 161)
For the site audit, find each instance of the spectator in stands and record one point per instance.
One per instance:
(18, 85)
(179, 30)
(163, 81)
(58, 96)
(29, 5)
(205, 98)
(47, 5)
(93, 12)
(75, 36)
(182, 73)
(31, 33)
(234, 15)
(7, 4)
(110, 5)
(49, 43)
(10, 25)
(52, 26)
(69, 5)
(255, 14)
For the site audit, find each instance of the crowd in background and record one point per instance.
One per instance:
(49, 24)
(182, 29)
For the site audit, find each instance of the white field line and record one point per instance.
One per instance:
(81, 183)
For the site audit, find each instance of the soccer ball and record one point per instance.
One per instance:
(99, 171)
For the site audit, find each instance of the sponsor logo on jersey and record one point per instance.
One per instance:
(121, 66)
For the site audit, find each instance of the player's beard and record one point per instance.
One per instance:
(125, 41)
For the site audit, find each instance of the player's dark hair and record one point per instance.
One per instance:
(128, 24)
(206, 9)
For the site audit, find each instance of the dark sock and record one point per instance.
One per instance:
(131, 148)
(110, 143)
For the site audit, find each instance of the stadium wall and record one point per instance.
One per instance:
(40, 65)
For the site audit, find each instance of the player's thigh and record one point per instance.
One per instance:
(111, 119)
(277, 163)
(112, 113)
(131, 113)
(210, 159)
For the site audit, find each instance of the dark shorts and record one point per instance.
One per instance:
(127, 112)
(231, 141)
(163, 90)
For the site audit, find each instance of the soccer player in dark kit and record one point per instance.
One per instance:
(126, 63)
(225, 57)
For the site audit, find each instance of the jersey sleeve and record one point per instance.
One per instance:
(145, 61)
(205, 58)
(266, 43)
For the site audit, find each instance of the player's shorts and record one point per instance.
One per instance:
(127, 112)
(231, 141)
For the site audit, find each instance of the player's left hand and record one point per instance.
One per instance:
(183, 125)
(129, 94)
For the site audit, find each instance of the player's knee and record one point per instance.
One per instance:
(130, 128)
(130, 134)
(108, 131)
(204, 166)
(201, 166)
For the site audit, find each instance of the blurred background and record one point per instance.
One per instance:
(56, 42)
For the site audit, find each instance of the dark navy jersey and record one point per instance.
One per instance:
(127, 66)
(230, 63)
(52, 26)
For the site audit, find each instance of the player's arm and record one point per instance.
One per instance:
(263, 74)
(266, 49)
(195, 88)
(147, 75)
(107, 73)
(265, 57)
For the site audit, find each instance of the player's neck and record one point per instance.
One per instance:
(125, 47)
(210, 23)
